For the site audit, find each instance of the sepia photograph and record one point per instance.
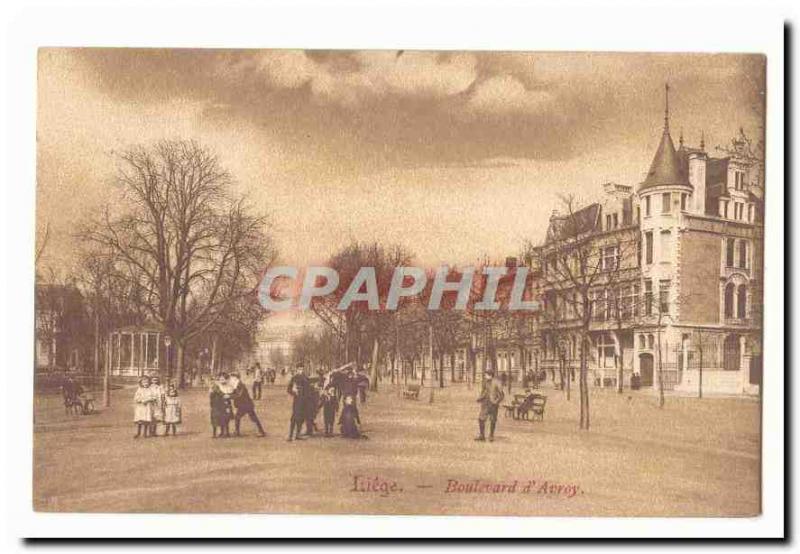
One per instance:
(399, 282)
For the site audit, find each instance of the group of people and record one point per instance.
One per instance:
(153, 404)
(325, 392)
(229, 399)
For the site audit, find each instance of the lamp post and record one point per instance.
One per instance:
(167, 343)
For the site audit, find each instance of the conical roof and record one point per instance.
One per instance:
(666, 167)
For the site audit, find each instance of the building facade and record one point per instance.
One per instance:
(667, 276)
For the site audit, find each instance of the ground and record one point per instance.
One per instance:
(691, 458)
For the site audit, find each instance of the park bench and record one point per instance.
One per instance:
(411, 392)
(511, 409)
(537, 405)
(77, 404)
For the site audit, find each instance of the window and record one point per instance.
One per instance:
(642, 342)
(648, 247)
(638, 214)
(635, 299)
(751, 213)
(608, 222)
(605, 351)
(616, 220)
(729, 300)
(647, 206)
(639, 253)
(663, 297)
(610, 258)
(650, 341)
(741, 302)
(665, 202)
(723, 212)
(648, 297)
(729, 249)
(738, 177)
(684, 198)
(666, 246)
(743, 254)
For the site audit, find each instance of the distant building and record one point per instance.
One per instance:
(697, 224)
(60, 327)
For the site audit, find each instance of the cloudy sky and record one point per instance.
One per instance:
(455, 155)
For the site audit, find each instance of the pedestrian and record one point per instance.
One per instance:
(311, 407)
(298, 390)
(172, 410)
(244, 404)
(362, 384)
(158, 404)
(142, 408)
(220, 407)
(330, 405)
(349, 420)
(490, 398)
(258, 381)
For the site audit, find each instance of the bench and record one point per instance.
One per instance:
(411, 392)
(537, 405)
(513, 408)
(77, 404)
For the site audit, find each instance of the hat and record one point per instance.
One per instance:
(235, 374)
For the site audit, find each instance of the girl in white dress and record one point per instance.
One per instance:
(142, 407)
(172, 410)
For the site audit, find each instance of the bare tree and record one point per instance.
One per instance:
(575, 271)
(186, 247)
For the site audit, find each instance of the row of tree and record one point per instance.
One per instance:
(176, 249)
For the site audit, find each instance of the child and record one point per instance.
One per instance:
(349, 420)
(142, 402)
(158, 404)
(220, 407)
(172, 410)
(330, 405)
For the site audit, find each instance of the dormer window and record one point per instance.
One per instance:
(738, 180)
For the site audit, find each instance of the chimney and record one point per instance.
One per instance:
(697, 178)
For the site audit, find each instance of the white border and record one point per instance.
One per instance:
(625, 26)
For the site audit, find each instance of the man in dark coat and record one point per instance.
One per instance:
(298, 389)
(243, 404)
(490, 398)
(312, 406)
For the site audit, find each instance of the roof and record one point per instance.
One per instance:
(579, 222)
(666, 168)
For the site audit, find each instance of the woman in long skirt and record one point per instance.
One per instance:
(221, 410)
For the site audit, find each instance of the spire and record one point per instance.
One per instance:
(666, 166)
(680, 139)
(702, 140)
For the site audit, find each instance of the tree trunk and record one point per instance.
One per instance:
(620, 368)
(373, 386)
(584, 388)
(452, 367)
(441, 370)
(660, 371)
(180, 349)
(700, 383)
(96, 342)
(107, 376)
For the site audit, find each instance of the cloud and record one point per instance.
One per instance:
(506, 95)
(372, 75)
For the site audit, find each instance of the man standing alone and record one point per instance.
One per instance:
(258, 381)
(490, 398)
(298, 389)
